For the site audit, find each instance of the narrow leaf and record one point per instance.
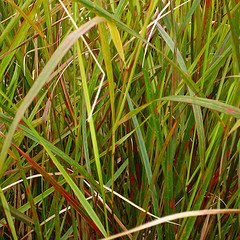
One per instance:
(116, 39)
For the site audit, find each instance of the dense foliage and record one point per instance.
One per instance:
(117, 113)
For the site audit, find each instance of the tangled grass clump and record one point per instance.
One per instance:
(117, 116)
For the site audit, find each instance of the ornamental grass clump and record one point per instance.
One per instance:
(119, 119)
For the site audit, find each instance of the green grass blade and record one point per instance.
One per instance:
(8, 215)
(207, 103)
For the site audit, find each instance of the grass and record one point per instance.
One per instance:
(119, 119)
